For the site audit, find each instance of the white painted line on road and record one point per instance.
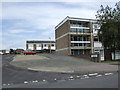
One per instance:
(99, 75)
(44, 80)
(108, 73)
(36, 81)
(8, 84)
(77, 76)
(25, 82)
(85, 75)
(33, 81)
(93, 74)
(4, 84)
(55, 79)
(71, 77)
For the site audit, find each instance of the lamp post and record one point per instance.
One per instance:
(50, 44)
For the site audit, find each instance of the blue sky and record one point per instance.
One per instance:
(23, 21)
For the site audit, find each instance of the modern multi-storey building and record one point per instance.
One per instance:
(75, 36)
(40, 45)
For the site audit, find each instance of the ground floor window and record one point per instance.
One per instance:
(79, 51)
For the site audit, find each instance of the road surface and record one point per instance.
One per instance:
(14, 77)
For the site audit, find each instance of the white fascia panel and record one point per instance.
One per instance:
(97, 44)
(53, 48)
(80, 41)
(31, 48)
(38, 48)
(80, 27)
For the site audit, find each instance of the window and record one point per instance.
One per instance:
(96, 26)
(73, 30)
(52, 45)
(30, 45)
(45, 45)
(80, 44)
(80, 30)
(38, 45)
(77, 38)
(86, 30)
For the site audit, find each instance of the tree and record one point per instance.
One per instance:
(109, 20)
(11, 51)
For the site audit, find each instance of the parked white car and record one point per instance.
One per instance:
(1, 53)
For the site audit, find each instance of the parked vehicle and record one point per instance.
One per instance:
(1, 53)
(19, 51)
(29, 52)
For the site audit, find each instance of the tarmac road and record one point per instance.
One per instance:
(110, 81)
(16, 77)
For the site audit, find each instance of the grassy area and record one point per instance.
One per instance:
(111, 61)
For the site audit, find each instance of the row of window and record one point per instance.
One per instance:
(45, 45)
(79, 38)
(75, 24)
(80, 44)
(80, 30)
(78, 52)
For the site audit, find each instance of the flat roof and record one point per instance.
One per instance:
(74, 19)
(33, 41)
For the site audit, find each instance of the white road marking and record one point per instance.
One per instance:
(71, 77)
(25, 82)
(108, 73)
(77, 76)
(4, 84)
(33, 81)
(36, 81)
(55, 79)
(85, 75)
(93, 74)
(99, 75)
(8, 84)
(44, 80)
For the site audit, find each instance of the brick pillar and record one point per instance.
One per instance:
(34, 46)
(41, 46)
(26, 46)
(49, 46)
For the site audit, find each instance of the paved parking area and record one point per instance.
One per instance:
(60, 63)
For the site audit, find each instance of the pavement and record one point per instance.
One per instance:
(60, 63)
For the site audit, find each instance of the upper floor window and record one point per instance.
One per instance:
(96, 26)
(76, 24)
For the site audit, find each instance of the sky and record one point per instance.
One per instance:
(21, 21)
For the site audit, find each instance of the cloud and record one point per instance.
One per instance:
(37, 20)
(20, 31)
(58, 0)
